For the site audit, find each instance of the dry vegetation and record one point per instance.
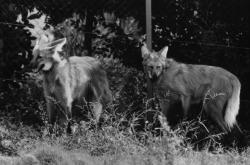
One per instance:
(108, 145)
(118, 141)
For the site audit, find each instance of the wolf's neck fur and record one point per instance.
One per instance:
(51, 75)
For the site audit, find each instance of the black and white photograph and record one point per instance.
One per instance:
(124, 82)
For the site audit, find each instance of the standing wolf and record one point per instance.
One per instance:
(218, 89)
(69, 80)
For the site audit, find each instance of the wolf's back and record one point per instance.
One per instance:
(90, 69)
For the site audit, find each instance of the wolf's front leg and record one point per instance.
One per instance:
(164, 105)
(68, 111)
(67, 101)
(150, 90)
(64, 98)
(51, 109)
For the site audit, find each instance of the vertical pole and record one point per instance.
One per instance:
(149, 115)
(149, 23)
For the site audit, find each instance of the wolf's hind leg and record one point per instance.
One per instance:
(97, 111)
(214, 108)
(185, 105)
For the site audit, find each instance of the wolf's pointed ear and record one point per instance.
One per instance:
(58, 44)
(144, 51)
(164, 51)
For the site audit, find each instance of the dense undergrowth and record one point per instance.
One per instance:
(127, 134)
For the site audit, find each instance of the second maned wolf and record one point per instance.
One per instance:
(215, 87)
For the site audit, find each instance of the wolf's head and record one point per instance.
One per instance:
(154, 62)
(46, 53)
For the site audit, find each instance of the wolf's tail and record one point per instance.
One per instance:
(233, 104)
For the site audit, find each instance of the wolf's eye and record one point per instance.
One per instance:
(158, 67)
(151, 67)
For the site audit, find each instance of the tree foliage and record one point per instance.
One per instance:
(209, 32)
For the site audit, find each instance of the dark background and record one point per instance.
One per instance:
(212, 32)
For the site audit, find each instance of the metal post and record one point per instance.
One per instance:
(149, 24)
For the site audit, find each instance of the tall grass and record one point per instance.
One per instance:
(110, 144)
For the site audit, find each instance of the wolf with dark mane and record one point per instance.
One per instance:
(215, 87)
(68, 80)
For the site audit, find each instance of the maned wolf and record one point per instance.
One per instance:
(215, 87)
(68, 80)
